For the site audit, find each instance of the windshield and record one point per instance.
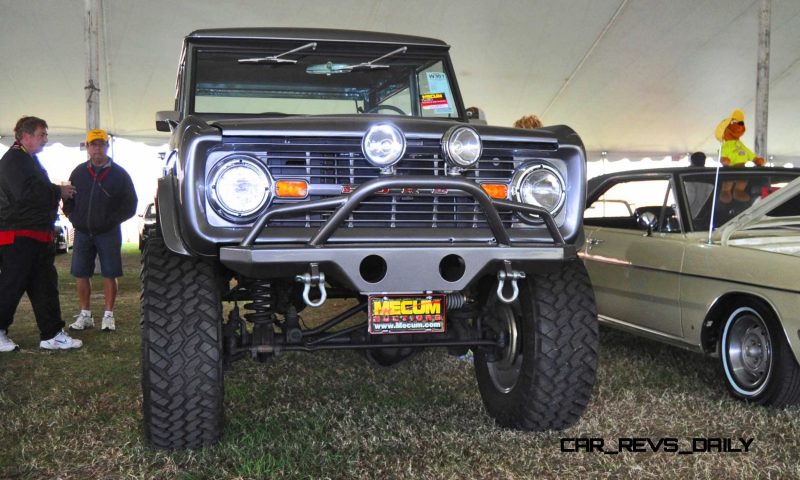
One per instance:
(737, 191)
(301, 78)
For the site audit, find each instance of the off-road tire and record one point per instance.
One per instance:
(771, 375)
(182, 373)
(556, 318)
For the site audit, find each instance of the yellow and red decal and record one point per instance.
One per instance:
(429, 101)
(406, 314)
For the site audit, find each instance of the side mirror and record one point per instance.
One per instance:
(166, 120)
(646, 220)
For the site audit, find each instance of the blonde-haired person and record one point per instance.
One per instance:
(528, 121)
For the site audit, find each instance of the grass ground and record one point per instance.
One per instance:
(331, 415)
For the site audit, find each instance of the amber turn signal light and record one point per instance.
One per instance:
(496, 190)
(291, 188)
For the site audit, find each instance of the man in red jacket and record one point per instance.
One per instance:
(28, 205)
(104, 198)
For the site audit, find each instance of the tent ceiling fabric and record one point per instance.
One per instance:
(628, 75)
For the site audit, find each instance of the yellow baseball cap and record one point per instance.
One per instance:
(96, 134)
(737, 115)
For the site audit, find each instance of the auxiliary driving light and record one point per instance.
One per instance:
(462, 147)
(383, 145)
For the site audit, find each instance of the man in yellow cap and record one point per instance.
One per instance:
(104, 198)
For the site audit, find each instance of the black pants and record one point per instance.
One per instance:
(27, 266)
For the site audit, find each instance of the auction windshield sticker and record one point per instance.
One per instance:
(673, 445)
(430, 101)
(406, 314)
(437, 82)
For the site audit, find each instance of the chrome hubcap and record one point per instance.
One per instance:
(749, 351)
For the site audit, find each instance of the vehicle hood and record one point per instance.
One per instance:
(356, 125)
(756, 217)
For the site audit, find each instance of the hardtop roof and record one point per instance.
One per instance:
(311, 34)
(595, 182)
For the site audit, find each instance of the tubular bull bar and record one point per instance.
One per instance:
(397, 267)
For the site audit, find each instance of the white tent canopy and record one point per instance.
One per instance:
(628, 75)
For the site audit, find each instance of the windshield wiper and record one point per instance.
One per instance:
(371, 65)
(277, 58)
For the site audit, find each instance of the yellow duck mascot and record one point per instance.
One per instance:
(734, 154)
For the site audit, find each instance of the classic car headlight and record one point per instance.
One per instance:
(239, 187)
(383, 145)
(461, 147)
(539, 185)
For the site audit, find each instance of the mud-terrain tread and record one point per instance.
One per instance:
(556, 382)
(182, 376)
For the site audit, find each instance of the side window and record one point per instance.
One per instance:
(625, 203)
(435, 95)
(744, 187)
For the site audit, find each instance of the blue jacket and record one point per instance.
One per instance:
(104, 198)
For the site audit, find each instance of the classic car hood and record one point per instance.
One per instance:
(356, 125)
(756, 217)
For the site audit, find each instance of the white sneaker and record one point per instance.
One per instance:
(82, 322)
(61, 341)
(6, 344)
(108, 323)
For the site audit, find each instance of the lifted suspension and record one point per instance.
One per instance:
(264, 342)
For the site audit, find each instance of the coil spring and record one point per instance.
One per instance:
(455, 300)
(263, 311)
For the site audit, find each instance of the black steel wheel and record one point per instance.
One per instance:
(182, 373)
(757, 362)
(543, 378)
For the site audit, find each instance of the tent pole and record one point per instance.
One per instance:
(762, 79)
(92, 39)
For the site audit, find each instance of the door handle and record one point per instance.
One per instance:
(595, 241)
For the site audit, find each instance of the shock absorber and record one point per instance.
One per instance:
(262, 316)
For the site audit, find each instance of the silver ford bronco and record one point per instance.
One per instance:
(310, 164)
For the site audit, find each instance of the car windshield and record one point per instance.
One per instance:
(302, 78)
(737, 191)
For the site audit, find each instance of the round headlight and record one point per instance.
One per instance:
(383, 145)
(462, 146)
(540, 185)
(239, 187)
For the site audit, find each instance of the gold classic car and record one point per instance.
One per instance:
(671, 261)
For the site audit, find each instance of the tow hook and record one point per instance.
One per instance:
(511, 275)
(313, 279)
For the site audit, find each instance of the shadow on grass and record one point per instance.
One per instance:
(330, 414)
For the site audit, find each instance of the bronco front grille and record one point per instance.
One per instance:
(338, 162)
